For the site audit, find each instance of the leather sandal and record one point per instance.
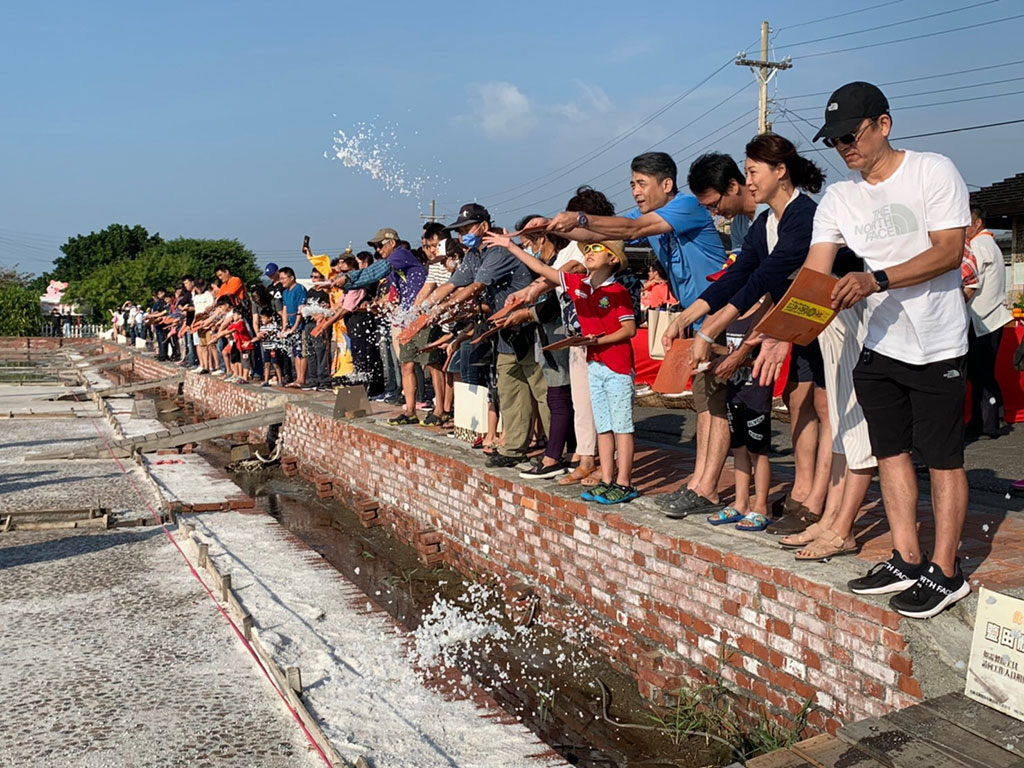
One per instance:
(808, 535)
(794, 522)
(829, 544)
(574, 477)
(593, 479)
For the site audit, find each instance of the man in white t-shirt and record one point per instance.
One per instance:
(986, 307)
(905, 214)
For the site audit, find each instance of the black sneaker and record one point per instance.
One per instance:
(497, 460)
(894, 575)
(402, 420)
(539, 472)
(933, 593)
(432, 420)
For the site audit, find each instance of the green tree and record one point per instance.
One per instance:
(161, 266)
(83, 254)
(20, 313)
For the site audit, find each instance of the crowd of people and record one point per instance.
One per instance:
(541, 318)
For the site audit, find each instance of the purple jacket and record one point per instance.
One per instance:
(407, 275)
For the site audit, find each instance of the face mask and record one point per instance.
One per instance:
(470, 240)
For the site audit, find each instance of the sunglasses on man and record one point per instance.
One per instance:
(848, 138)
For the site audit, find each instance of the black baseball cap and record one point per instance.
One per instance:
(470, 213)
(848, 106)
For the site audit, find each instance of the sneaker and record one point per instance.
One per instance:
(592, 494)
(616, 494)
(203, 372)
(894, 575)
(403, 419)
(308, 387)
(218, 372)
(265, 384)
(199, 369)
(540, 472)
(932, 593)
(499, 461)
(431, 420)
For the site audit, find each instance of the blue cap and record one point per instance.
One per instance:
(270, 270)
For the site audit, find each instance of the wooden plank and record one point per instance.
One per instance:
(893, 747)
(140, 386)
(781, 758)
(827, 751)
(974, 717)
(968, 749)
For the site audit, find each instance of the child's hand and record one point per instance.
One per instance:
(725, 367)
(590, 341)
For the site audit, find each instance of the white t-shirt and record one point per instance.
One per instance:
(437, 273)
(887, 224)
(987, 307)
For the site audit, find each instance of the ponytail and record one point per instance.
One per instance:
(773, 149)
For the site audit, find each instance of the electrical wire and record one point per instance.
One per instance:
(865, 46)
(918, 79)
(838, 15)
(568, 168)
(891, 24)
(934, 103)
(940, 133)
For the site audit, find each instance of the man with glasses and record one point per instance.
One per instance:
(721, 187)
(493, 273)
(905, 214)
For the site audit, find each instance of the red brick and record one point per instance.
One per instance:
(893, 640)
(241, 503)
(811, 659)
(901, 664)
(911, 687)
(719, 574)
(769, 591)
(208, 507)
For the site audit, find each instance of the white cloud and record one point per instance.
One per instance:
(502, 111)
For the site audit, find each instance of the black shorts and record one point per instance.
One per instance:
(913, 407)
(749, 428)
(234, 355)
(806, 364)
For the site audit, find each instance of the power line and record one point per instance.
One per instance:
(940, 133)
(838, 15)
(891, 24)
(616, 167)
(828, 158)
(913, 37)
(936, 103)
(918, 79)
(583, 159)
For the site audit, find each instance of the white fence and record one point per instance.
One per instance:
(71, 331)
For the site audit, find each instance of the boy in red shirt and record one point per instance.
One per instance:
(240, 341)
(607, 320)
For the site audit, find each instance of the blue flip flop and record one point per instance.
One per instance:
(725, 515)
(757, 522)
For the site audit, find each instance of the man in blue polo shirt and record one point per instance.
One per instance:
(683, 237)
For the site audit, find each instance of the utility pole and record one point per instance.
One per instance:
(433, 213)
(764, 71)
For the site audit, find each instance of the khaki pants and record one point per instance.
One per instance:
(520, 382)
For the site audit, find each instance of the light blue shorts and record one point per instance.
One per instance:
(611, 397)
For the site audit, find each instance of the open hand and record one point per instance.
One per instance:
(768, 365)
(500, 239)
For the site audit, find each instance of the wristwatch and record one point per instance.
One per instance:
(581, 220)
(882, 279)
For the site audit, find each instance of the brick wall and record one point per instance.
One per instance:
(664, 608)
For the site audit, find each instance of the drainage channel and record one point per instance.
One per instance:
(545, 678)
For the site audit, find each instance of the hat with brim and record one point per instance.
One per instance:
(471, 213)
(385, 233)
(849, 106)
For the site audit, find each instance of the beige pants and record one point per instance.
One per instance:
(586, 434)
(520, 382)
(841, 343)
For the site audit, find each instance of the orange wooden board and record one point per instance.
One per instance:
(675, 369)
(804, 312)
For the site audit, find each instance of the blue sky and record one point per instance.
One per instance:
(213, 119)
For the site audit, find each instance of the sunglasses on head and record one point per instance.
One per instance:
(848, 138)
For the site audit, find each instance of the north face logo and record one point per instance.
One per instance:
(890, 220)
